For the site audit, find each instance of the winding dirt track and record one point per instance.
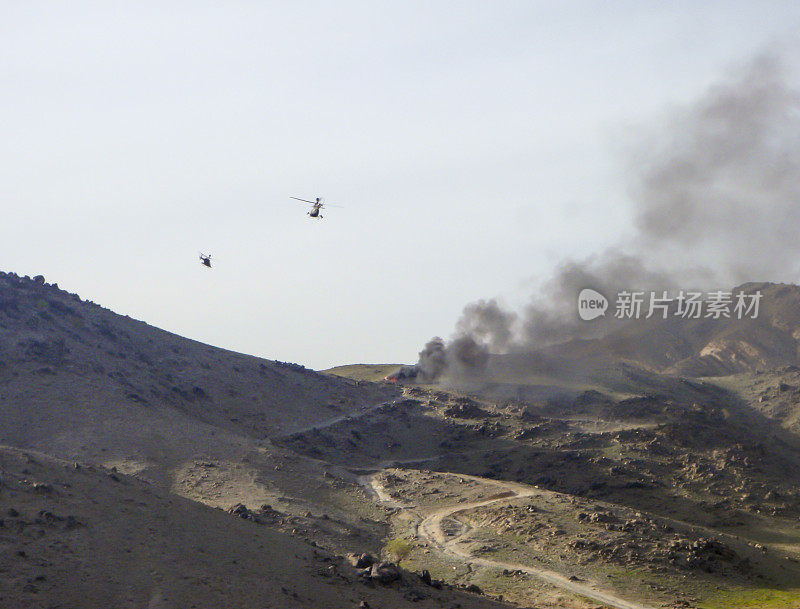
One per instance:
(431, 528)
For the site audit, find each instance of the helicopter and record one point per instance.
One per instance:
(205, 260)
(316, 206)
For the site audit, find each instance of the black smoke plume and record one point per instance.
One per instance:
(715, 193)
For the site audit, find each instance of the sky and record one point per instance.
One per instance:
(470, 145)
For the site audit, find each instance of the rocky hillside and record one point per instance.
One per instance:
(78, 535)
(79, 381)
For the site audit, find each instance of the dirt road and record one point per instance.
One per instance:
(431, 528)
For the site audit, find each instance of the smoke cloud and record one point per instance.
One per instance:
(463, 356)
(432, 359)
(717, 182)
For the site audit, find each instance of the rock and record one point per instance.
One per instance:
(469, 410)
(239, 510)
(598, 517)
(361, 561)
(474, 588)
(385, 572)
(47, 517)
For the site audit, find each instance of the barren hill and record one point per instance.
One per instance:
(137, 470)
(600, 473)
(76, 535)
(79, 381)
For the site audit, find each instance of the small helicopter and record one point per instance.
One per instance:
(205, 260)
(316, 206)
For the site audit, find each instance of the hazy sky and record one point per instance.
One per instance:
(471, 145)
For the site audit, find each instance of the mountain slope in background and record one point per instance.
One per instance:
(702, 347)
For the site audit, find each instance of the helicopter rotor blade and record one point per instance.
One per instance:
(303, 200)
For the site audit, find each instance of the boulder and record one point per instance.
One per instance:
(385, 572)
(239, 510)
(361, 561)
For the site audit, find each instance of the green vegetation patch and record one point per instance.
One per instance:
(761, 598)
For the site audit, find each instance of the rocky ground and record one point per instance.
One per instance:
(670, 499)
(180, 475)
(77, 535)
